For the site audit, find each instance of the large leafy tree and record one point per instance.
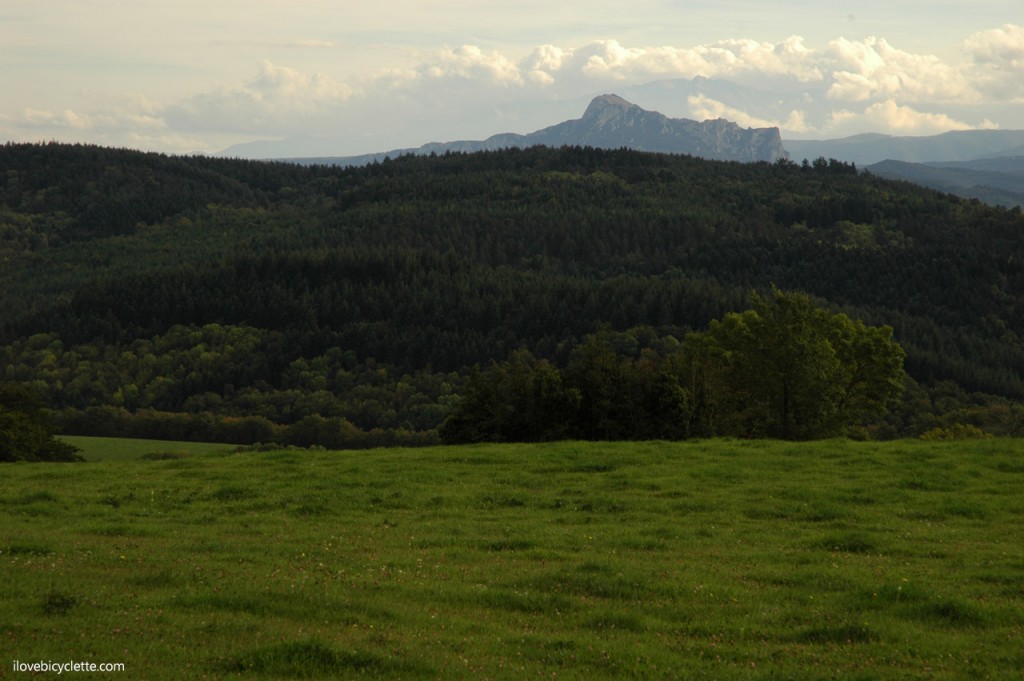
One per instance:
(786, 368)
(522, 400)
(25, 433)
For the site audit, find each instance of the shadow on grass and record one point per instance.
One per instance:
(838, 634)
(315, 660)
(847, 542)
(911, 601)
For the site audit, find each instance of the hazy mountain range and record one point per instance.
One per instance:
(978, 164)
(984, 164)
(957, 145)
(998, 181)
(610, 122)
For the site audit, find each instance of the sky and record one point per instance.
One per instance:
(351, 77)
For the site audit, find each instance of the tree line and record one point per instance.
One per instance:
(783, 369)
(319, 279)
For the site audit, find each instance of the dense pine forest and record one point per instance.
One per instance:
(244, 301)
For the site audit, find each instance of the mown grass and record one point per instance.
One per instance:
(715, 559)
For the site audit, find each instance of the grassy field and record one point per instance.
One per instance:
(716, 560)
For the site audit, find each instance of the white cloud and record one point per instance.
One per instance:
(997, 61)
(471, 63)
(279, 98)
(893, 118)
(545, 58)
(703, 107)
(889, 115)
(133, 127)
(610, 61)
(796, 122)
(789, 58)
(873, 69)
(43, 119)
(137, 117)
(278, 85)
(1002, 46)
(471, 92)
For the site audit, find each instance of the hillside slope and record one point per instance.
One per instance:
(209, 285)
(997, 181)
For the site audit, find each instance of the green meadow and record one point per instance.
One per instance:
(698, 560)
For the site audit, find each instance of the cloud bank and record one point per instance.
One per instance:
(843, 87)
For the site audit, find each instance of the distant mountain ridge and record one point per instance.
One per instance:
(987, 165)
(998, 181)
(956, 145)
(610, 122)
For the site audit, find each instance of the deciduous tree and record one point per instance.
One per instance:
(789, 369)
(25, 433)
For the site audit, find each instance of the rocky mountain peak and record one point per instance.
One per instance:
(607, 106)
(611, 122)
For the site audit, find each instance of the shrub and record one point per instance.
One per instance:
(958, 431)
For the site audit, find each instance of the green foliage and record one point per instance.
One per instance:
(601, 395)
(784, 369)
(957, 431)
(274, 291)
(25, 431)
(228, 384)
(522, 400)
(789, 369)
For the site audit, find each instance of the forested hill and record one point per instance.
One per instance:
(327, 281)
